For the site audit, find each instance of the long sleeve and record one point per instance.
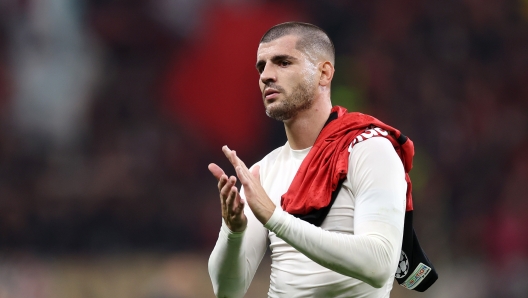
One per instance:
(236, 256)
(371, 253)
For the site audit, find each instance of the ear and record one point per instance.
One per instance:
(327, 73)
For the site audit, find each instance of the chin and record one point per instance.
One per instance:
(278, 114)
(270, 106)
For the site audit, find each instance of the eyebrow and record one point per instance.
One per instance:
(274, 59)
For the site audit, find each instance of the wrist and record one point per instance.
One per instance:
(266, 212)
(276, 219)
(230, 230)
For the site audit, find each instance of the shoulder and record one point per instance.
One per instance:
(371, 143)
(374, 152)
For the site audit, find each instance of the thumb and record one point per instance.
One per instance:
(216, 171)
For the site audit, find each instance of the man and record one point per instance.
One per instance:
(352, 250)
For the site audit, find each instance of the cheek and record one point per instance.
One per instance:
(298, 80)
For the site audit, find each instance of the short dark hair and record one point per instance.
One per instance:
(311, 37)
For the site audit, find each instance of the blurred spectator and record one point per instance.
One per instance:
(54, 63)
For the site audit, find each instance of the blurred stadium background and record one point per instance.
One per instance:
(110, 111)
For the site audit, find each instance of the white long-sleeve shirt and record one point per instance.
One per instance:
(353, 254)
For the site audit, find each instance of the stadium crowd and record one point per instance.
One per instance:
(110, 112)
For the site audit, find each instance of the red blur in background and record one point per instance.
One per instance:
(212, 85)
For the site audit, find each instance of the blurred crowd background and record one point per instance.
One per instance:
(111, 110)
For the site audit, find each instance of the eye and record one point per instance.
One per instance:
(284, 63)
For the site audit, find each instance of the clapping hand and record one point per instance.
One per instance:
(232, 203)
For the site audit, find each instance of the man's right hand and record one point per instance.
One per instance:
(230, 200)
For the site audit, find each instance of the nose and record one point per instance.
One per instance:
(268, 74)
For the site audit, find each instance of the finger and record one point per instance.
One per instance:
(227, 153)
(231, 201)
(232, 157)
(222, 181)
(240, 203)
(226, 188)
(243, 175)
(237, 159)
(224, 198)
(216, 170)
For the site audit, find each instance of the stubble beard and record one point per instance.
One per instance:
(300, 99)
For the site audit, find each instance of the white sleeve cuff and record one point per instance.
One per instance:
(226, 232)
(277, 219)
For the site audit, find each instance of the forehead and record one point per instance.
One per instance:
(281, 46)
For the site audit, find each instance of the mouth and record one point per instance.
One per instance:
(271, 93)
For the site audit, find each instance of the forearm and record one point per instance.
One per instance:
(236, 256)
(227, 267)
(370, 257)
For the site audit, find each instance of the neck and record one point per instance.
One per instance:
(303, 129)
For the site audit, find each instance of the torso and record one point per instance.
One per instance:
(292, 273)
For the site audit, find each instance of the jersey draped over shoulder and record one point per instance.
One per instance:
(354, 253)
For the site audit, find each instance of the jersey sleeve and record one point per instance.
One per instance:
(236, 256)
(371, 253)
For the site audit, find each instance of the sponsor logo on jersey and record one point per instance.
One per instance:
(369, 133)
(417, 276)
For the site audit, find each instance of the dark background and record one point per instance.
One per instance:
(111, 110)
